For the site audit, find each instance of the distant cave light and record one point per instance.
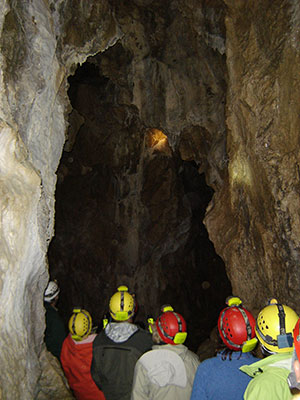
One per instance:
(157, 140)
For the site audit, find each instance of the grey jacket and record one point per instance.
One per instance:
(165, 373)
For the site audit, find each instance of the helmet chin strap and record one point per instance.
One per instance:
(266, 352)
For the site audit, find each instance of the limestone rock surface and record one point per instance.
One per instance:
(35, 59)
(254, 220)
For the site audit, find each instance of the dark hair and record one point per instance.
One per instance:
(227, 353)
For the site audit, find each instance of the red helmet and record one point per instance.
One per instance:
(171, 327)
(236, 326)
(296, 335)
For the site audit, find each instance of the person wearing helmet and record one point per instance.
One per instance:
(167, 371)
(117, 348)
(219, 377)
(55, 332)
(294, 376)
(274, 329)
(76, 356)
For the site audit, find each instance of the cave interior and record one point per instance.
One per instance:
(145, 143)
(129, 210)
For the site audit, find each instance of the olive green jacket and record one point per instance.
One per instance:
(269, 378)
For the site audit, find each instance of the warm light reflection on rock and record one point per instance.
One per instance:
(240, 171)
(155, 137)
(157, 140)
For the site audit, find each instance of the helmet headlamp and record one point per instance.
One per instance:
(249, 345)
(180, 337)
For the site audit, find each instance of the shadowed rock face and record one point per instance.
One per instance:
(166, 122)
(130, 202)
(129, 211)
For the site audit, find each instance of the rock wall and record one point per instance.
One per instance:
(254, 219)
(38, 51)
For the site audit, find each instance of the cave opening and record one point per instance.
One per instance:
(130, 212)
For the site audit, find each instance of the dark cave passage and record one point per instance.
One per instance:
(129, 212)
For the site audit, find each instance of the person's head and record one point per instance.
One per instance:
(294, 376)
(236, 326)
(170, 327)
(80, 324)
(274, 328)
(122, 305)
(51, 293)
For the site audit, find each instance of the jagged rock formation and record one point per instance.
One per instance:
(39, 47)
(231, 112)
(254, 219)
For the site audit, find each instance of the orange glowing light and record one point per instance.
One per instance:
(156, 137)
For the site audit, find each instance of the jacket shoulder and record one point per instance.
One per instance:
(269, 385)
(141, 339)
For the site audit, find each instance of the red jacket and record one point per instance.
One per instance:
(76, 359)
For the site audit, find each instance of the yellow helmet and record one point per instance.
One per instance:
(274, 327)
(80, 324)
(122, 304)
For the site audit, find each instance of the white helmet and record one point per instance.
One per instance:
(52, 290)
